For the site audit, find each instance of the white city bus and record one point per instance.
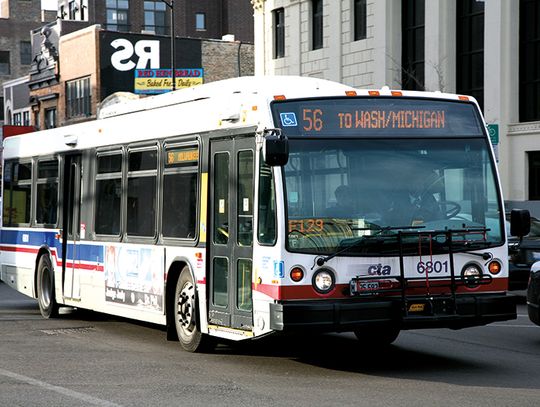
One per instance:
(261, 205)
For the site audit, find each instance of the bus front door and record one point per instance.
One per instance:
(71, 227)
(230, 237)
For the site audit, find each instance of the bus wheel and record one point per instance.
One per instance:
(45, 288)
(185, 315)
(381, 336)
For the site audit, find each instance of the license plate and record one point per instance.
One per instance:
(360, 287)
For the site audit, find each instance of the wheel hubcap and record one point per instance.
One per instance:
(186, 299)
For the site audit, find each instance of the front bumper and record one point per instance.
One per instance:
(351, 314)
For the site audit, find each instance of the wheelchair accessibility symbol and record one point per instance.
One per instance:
(288, 119)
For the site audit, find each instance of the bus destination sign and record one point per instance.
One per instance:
(182, 157)
(382, 116)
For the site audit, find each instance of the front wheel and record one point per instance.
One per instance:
(377, 337)
(45, 288)
(186, 313)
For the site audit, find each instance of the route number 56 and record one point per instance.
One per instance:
(313, 120)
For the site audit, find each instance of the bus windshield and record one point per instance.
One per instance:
(342, 191)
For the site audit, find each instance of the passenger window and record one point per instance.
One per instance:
(141, 193)
(108, 193)
(180, 177)
(47, 193)
(17, 193)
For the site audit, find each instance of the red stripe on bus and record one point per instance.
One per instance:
(80, 266)
(302, 292)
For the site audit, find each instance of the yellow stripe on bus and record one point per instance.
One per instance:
(204, 203)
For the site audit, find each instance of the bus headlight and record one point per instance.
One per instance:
(323, 281)
(471, 274)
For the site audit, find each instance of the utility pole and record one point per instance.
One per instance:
(170, 4)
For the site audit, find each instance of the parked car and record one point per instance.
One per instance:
(521, 256)
(533, 295)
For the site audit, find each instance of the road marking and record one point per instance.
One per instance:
(62, 390)
(515, 326)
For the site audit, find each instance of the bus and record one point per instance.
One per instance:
(263, 205)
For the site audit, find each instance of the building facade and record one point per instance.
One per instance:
(199, 19)
(487, 49)
(64, 91)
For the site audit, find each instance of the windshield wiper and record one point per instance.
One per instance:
(321, 260)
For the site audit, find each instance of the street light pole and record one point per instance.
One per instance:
(170, 4)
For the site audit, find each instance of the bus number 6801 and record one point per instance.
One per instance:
(432, 267)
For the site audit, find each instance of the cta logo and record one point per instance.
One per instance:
(379, 270)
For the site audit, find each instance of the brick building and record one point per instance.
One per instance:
(64, 91)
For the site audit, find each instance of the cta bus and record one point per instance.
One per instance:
(253, 206)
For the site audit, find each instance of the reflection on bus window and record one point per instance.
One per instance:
(436, 184)
(267, 206)
(17, 193)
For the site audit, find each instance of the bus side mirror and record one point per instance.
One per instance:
(275, 148)
(520, 222)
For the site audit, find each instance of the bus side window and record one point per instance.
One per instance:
(47, 192)
(108, 194)
(267, 206)
(142, 193)
(180, 177)
(17, 193)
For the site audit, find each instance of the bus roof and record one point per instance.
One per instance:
(232, 103)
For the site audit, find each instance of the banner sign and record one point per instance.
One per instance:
(153, 81)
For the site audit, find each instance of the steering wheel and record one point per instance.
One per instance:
(449, 208)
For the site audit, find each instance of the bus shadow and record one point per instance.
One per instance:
(342, 353)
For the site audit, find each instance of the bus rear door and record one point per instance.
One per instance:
(71, 226)
(230, 236)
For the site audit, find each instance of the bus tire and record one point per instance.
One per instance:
(45, 288)
(186, 314)
(377, 336)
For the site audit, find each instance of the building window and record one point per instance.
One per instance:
(534, 175)
(200, 22)
(412, 47)
(529, 61)
(26, 52)
(279, 33)
(470, 49)
(17, 119)
(50, 118)
(78, 97)
(118, 15)
(360, 20)
(154, 17)
(4, 63)
(72, 5)
(317, 24)
(26, 118)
